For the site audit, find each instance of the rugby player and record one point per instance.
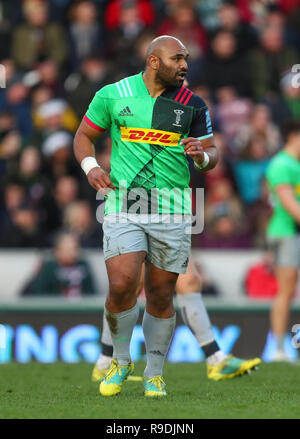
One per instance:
(283, 177)
(155, 122)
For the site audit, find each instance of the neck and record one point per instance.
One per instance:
(292, 150)
(154, 87)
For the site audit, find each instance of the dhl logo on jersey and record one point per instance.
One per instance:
(145, 135)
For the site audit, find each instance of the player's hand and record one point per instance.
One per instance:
(193, 147)
(100, 180)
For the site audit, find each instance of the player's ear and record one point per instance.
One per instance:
(153, 62)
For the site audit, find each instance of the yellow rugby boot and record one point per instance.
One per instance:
(231, 367)
(154, 386)
(114, 378)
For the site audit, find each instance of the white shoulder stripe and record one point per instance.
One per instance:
(129, 88)
(119, 89)
(124, 88)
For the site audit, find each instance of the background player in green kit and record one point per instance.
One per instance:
(283, 177)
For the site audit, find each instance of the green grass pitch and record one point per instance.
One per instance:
(65, 391)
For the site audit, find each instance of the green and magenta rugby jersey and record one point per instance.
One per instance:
(146, 134)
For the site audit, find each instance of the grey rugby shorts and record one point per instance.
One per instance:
(286, 250)
(166, 242)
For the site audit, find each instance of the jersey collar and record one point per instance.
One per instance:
(169, 92)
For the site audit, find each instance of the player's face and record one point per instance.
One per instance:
(173, 68)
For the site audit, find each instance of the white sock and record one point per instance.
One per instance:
(121, 327)
(216, 358)
(105, 336)
(158, 335)
(195, 316)
(103, 362)
(279, 341)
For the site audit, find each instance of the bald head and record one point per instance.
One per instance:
(167, 61)
(165, 43)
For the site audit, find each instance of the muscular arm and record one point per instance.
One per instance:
(213, 157)
(84, 141)
(212, 151)
(84, 147)
(288, 200)
(195, 149)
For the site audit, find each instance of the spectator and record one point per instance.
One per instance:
(260, 125)
(250, 168)
(225, 224)
(245, 34)
(54, 115)
(183, 25)
(65, 192)
(5, 30)
(223, 57)
(20, 222)
(221, 198)
(39, 95)
(15, 99)
(24, 230)
(52, 120)
(113, 14)
(79, 219)
(232, 112)
(126, 30)
(260, 280)
(10, 141)
(208, 13)
(223, 233)
(29, 171)
(81, 86)
(10, 71)
(36, 185)
(48, 74)
(13, 197)
(285, 105)
(65, 273)
(57, 150)
(36, 38)
(292, 31)
(258, 13)
(269, 62)
(86, 35)
(136, 62)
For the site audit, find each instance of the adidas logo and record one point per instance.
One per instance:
(156, 353)
(125, 112)
(185, 264)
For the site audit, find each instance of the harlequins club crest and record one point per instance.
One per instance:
(178, 113)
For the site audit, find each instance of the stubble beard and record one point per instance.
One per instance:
(164, 77)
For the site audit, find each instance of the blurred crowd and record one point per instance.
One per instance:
(58, 53)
